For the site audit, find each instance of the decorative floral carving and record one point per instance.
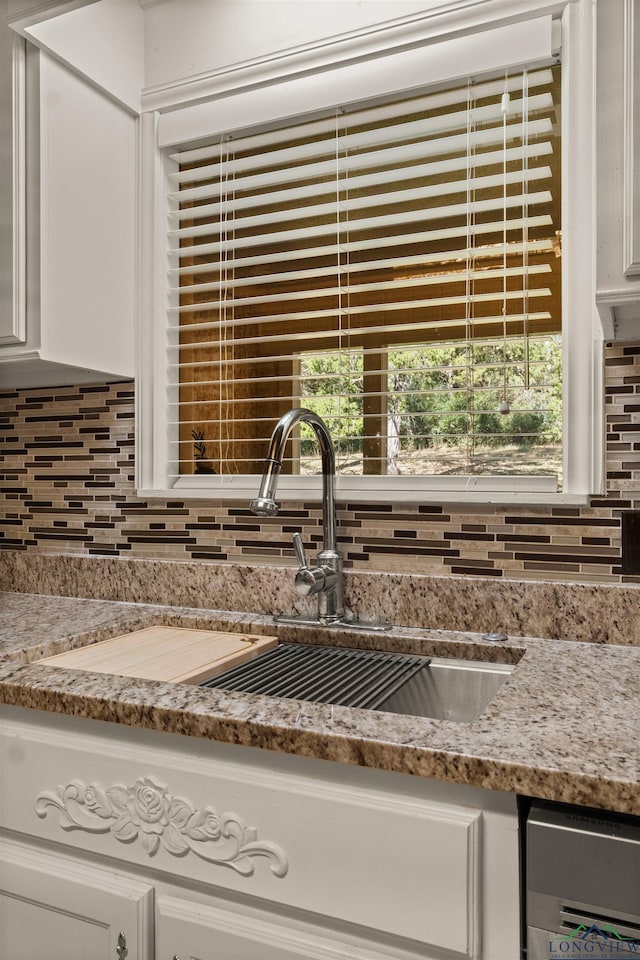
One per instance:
(146, 812)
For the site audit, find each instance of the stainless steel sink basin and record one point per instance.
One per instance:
(449, 690)
(444, 689)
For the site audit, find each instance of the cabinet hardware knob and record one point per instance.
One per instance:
(121, 950)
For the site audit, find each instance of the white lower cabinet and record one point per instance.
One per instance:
(56, 907)
(245, 854)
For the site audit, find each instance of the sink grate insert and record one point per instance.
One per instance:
(340, 675)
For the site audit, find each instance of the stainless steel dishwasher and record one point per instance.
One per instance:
(582, 876)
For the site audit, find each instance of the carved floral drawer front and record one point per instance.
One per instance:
(145, 812)
(382, 860)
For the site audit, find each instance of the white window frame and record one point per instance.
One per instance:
(175, 113)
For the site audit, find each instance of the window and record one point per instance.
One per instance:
(395, 264)
(393, 267)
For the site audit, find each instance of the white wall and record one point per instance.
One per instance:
(125, 46)
(184, 38)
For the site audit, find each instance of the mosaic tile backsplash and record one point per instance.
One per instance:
(67, 486)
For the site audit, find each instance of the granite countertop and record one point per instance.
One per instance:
(565, 726)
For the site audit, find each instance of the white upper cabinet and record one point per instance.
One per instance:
(68, 194)
(618, 166)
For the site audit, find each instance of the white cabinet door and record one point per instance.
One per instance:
(631, 167)
(12, 186)
(618, 167)
(67, 257)
(193, 931)
(223, 930)
(58, 908)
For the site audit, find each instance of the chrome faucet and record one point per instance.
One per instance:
(324, 579)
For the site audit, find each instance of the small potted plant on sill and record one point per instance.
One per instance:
(202, 464)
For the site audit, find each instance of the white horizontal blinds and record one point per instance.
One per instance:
(315, 263)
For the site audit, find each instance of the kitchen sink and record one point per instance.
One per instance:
(449, 690)
(436, 687)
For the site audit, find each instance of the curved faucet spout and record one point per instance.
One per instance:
(265, 505)
(325, 580)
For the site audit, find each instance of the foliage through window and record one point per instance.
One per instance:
(395, 267)
(443, 408)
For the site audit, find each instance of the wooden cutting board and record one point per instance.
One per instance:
(176, 654)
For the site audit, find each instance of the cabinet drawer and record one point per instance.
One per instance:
(379, 859)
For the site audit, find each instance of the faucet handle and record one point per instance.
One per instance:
(298, 546)
(309, 580)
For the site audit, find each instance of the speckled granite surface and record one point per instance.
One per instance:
(587, 612)
(566, 725)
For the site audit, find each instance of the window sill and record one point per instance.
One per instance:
(536, 491)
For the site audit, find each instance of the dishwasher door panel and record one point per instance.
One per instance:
(582, 882)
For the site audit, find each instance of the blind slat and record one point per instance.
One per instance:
(364, 164)
(342, 353)
(388, 330)
(348, 205)
(357, 181)
(351, 288)
(466, 254)
(369, 115)
(231, 322)
(381, 221)
(349, 246)
(302, 161)
(331, 394)
(309, 293)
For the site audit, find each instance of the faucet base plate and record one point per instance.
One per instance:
(301, 620)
